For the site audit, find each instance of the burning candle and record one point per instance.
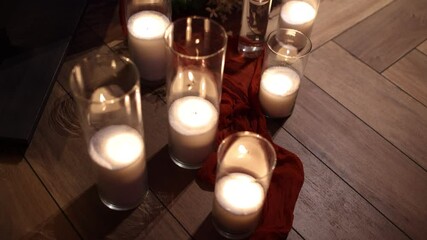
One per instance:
(118, 152)
(297, 15)
(192, 129)
(278, 91)
(197, 82)
(102, 97)
(146, 44)
(238, 203)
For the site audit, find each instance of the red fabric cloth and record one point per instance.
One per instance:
(240, 111)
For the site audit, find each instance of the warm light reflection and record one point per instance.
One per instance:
(239, 193)
(297, 12)
(123, 148)
(148, 25)
(280, 81)
(242, 150)
(192, 115)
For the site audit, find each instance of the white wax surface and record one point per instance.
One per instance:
(116, 146)
(192, 115)
(297, 15)
(146, 45)
(193, 124)
(148, 25)
(297, 12)
(239, 193)
(238, 203)
(278, 91)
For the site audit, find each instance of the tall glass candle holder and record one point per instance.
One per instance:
(195, 68)
(285, 59)
(253, 27)
(299, 15)
(106, 90)
(245, 164)
(147, 21)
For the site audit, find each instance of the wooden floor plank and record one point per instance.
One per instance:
(58, 155)
(423, 47)
(409, 73)
(391, 112)
(103, 17)
(372, 166)
(294, 236)
(328, 208)
(386, 36)
(335, 17)
(27, 211)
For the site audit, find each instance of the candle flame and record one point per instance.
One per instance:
(102, 98)
(242, 150)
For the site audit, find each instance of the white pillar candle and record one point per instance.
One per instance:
(192, 129)
(146, 44)
(238, 203)
(297, 15)
(278, 91)
(118, 152)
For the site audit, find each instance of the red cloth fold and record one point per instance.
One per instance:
(240, 111)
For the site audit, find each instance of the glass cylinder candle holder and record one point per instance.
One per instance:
(285, 59)
(106, 90)
(253, 27)
(299, 15)
(245, 164)
(194, 77)
(147, 21)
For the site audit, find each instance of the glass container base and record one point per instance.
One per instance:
(116, 207)
(250, 50)
(184, 164)
(230, 235)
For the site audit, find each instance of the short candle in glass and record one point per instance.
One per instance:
(245, 164)
(299, 15)
(284, 62)
(146, 45)
(106, 90)
(278, 91)
(196, 63)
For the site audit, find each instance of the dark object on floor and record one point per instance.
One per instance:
(34, 36)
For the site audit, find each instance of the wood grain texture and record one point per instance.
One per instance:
(386, 36)
(377, 170)
(103, 17)
(327, 208)
(58, 155)
(334, 17)
(398, 117)
(410, 74)
(84, 40)
(423, 47)
(27, 211)
(294, 236)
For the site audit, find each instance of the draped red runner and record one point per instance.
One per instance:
(240, 111)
